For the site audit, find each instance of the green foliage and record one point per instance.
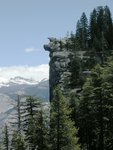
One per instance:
(90, 107)
(95, 119)
(91, 44)
(18, 142)
(75, 68)
(91, 110)
(30, 129)
(101, 26)
(82, 31)
(62, 130)
(42, 131)
(6, 141)
(34, 124)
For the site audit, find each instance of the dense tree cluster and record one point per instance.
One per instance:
(92, 77)
(94, 109)
(93, 41)
(28, 129)
(62, 130)
(97, 33)
(35, 128)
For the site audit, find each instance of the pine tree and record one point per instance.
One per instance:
(76, 69)
(42, 124)
(86, 117)
(34, 124)
(74, 101)
(78, 34)
(73, 42)
(108, 108)
(30, 109)
(93, 27)
(108, 27)
(100, 21)
(16, 123)
(96, 109)
(62, 130)
(6, 141)
(84, 23)
(18, 142)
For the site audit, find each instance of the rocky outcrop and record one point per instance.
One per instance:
(60, 59)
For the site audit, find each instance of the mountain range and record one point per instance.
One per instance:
(9, 89)
(23, 86)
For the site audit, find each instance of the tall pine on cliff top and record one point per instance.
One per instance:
(82, 31)
(62, 130)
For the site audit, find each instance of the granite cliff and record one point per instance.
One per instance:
(60, 60)
(64, 56)
(68, 62)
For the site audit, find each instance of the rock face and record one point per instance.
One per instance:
(70, 65)
(60, 59)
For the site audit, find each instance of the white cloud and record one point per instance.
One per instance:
(29, 50)
(35, 72)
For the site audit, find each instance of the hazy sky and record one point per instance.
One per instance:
(25, 26)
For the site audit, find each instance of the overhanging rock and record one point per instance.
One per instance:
(60, 59)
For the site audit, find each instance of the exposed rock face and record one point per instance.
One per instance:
(64, 58)
(60, 59)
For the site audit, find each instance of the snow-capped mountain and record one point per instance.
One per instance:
(17, 80)
(20, 85)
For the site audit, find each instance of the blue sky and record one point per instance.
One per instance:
(25, 26)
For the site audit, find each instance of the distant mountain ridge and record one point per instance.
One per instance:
(17, 80)
(21, 86)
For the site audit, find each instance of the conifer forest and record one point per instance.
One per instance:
(77, 120)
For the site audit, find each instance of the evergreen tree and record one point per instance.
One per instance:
(74, 100)
(34, 124)
(100, 21)
(79, 34)
(108, 108)
(86, 117)
(76, 69)
(93, 27)
(30, 109)
(6, 141)
(1, 146)
(18, 142)
(72, 40)
(62, 130)
(96, 108)
(101, 26)
(108, 27)
(84, 24)
(16, 123)
(42, 124)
